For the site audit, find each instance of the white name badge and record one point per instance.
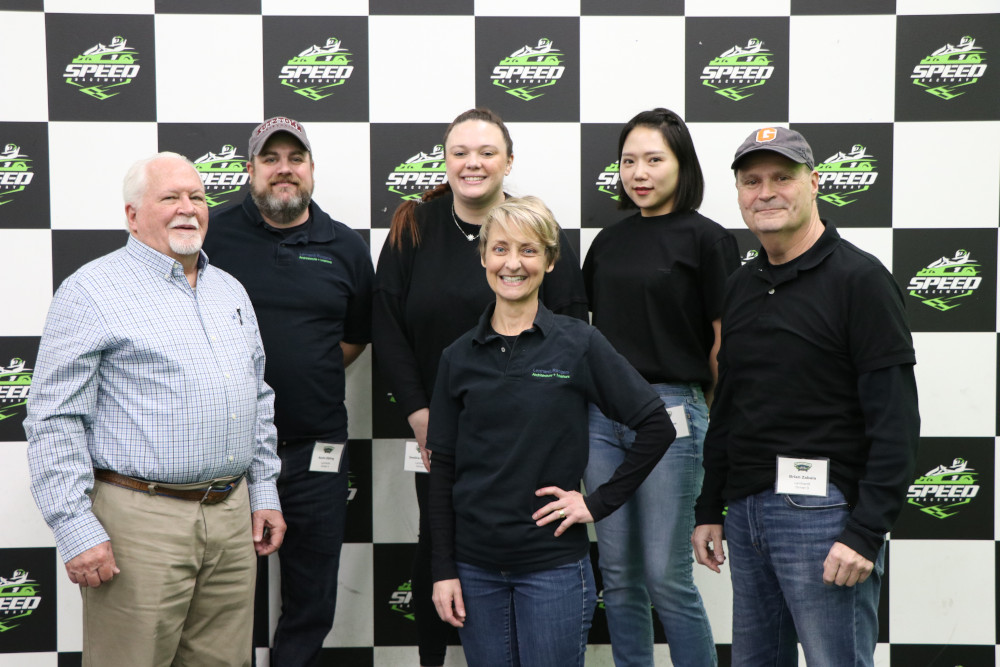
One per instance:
(411, 458)
(807, 477)
(679, 419)
(326, 457)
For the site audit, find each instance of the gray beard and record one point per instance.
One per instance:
(278, 211)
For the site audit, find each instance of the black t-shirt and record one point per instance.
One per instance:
(311, 288)
(655, 285)
(808, 350)
(426, 296)
(504, 423)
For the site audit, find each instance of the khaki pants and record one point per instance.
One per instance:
(184, 597)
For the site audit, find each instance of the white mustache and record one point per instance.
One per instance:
(180, 221)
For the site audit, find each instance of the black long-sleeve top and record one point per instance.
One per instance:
(508, 419)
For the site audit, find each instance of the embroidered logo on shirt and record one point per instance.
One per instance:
(550, 373)
(315, 257)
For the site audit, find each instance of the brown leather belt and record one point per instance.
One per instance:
(206, 493)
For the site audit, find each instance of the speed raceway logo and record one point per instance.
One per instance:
(15, 172)
(528, 71)
(607, 181)
(318, 71)
(844, 176)
(19, 598)
(946, 280)
(102, 68)
(946, 72)
(417, 174)
(15, 385)
(222, 174)
(738, 70)
(941, 491)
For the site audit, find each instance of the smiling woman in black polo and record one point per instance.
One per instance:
(509, 434)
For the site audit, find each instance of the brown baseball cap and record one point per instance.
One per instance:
(263, 132)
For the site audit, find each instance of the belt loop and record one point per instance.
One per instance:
(152, 488)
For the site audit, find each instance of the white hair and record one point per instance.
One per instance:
(134, 183)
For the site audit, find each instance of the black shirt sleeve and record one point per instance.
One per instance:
(562, 290)
(718, 260)
(358, 319)
(442, 434)
(396, 358)
(888, 399)
(442, 516)
(715, 458)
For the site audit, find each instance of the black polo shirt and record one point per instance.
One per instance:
(816, 361)
(507, 419)
(311, 288)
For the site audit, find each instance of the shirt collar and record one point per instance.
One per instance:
(160, 264)
(320, 230)
(811, 258)
(544, 320)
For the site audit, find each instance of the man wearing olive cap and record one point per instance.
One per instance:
(814, 428)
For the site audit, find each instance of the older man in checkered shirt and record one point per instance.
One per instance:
(151, 442)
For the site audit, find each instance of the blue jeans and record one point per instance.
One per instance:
(314, 505)
(777, 545)
(645, 546)
(534, 619)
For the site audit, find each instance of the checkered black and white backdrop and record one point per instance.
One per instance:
(900, 99)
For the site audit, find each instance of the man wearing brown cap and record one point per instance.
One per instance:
(309, 278)
(814, 428)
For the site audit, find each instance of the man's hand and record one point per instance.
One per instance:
(448, 601)
(845, 567)
(710, 556)
(93, 567)
(268, 531)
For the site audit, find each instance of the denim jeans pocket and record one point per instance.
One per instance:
(833, 499)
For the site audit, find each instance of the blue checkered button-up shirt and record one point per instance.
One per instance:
(141, 374)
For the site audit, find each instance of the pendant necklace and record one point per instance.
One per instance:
(470, 237)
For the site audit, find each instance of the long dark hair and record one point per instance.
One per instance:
(404, 220)
(690, 182)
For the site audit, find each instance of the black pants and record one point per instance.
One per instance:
(433, 634)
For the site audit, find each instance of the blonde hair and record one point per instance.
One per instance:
(527, 215)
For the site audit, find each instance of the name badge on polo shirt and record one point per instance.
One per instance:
(679, 418)
(806, 477)
(326, 457)
(411, 458)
